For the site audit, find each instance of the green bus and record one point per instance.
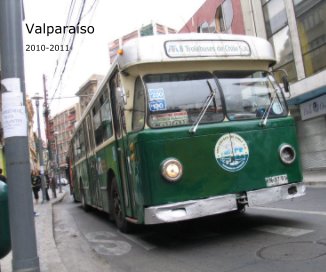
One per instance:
(186, 126)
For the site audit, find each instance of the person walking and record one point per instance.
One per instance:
(36, 184)
(53, 185)
(47, 180)
(2, 177)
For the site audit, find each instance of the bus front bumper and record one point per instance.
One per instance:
(274, 194)
(190, 209)
(220, 204)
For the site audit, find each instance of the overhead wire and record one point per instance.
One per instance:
(69, 52)
(69, 16)
(72, 38)
(92, 8)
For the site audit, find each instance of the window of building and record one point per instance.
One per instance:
(204, 28)
(147, 30)
(224, 17)
(207, 28)
(311, 23)
(275, 16)
(278, 33)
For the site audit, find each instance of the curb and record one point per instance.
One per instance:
(315, 184)
(50, 260)
(59, 199)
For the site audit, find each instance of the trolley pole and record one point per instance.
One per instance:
(14, 118)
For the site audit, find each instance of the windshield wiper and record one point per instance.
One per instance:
(204, 109)
(266, 114)
(264, 119)
(214, 95)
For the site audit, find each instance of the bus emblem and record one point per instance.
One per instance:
(231, 152)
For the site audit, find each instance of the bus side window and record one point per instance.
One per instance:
(102, 120)
(97, 126)
(138, 113)
(106, 120)
(77, 149)
(74, 144)
(90, 134)
(81, 143)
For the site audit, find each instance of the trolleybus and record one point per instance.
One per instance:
(186, 126)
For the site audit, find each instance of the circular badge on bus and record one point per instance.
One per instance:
(231, 152)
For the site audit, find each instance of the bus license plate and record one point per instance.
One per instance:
(276, 180)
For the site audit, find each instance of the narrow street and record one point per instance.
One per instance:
(286, 236)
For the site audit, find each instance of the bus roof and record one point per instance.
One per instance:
(188, 47)
(194, 47)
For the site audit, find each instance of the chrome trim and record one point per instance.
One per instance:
(274, 194)
(190, 209)
(292, 149)
(164, 166)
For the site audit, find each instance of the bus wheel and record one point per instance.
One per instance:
(117, 210)
(74, 197)
(83, 201)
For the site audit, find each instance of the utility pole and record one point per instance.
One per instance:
(37, 98)
(58, 162)
(14, 118)
(46, 118)
(48, 136)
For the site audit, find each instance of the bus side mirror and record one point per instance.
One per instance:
(282, 78)
(286, 84)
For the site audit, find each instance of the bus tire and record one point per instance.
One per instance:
(83, 201)
(74, 197)
(117, 212)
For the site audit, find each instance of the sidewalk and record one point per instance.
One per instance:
(315, 178)
(46, 248)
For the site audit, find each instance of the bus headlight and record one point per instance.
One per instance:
(287, 153)
(171, 169)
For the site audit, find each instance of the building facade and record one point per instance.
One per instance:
(61, 128)
(216, 16)
(32, 136)
(297, 31)
(86, 92)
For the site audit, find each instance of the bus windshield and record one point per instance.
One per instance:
(178, 99)
(251, 95)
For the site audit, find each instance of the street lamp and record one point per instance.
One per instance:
(37, 99)
(57, 157)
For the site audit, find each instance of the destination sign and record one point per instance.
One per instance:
(206, 48)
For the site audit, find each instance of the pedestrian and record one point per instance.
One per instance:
(47, 180)
(2, 177)
(36, 184)
(53, 186)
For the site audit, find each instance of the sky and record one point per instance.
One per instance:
(110, 20)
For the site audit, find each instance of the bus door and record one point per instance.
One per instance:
(94, 185)
(121, 140)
